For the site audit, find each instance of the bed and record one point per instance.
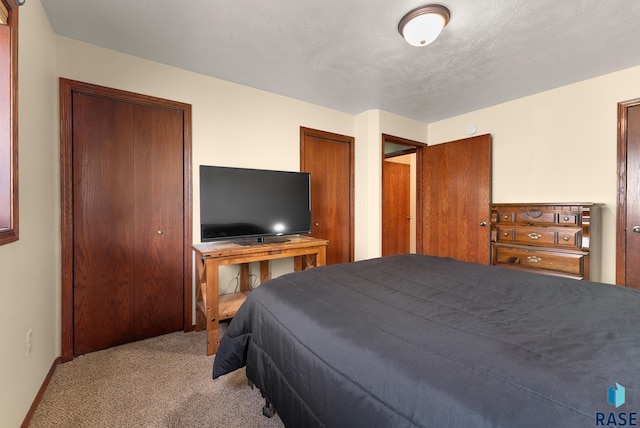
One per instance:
(419, 341)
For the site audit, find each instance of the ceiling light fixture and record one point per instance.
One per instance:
(422, 25)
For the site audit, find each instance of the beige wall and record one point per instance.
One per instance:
(233, 125)
(29, 288)
(370, 126)
(559, 145)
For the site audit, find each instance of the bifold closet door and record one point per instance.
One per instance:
(103, 271)
(158, 221)
(127, 222)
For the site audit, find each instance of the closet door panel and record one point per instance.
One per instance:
(329, 159)
(103, 196)
(158, 220)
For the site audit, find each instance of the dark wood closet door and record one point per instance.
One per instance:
(103, 227)
(158, 220)
(329, 159)
(396, 208)
(128, 222)
(457, 197)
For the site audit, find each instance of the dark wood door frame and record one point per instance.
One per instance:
(67, 88)
(621, 216)
(419, 151)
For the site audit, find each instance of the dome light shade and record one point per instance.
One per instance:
(423, 25)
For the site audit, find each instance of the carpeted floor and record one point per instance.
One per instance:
(159, 382)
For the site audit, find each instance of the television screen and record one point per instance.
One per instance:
(253, 203)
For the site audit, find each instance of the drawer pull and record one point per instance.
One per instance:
(636, 229)
(533, 259)
(534, 236)
(566, 238)
(506, 233)
(566, 218)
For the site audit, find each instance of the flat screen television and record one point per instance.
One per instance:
(249, 205)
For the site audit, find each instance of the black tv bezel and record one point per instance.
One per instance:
(255, 238)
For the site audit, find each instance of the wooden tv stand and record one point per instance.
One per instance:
(211, 308)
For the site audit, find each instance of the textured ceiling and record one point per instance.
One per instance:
(348, 55)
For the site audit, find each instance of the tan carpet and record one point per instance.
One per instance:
(160, 382)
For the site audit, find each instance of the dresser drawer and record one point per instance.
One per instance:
(534, 235)
(568, 218)
(571, 264)
(565, 237)
(528, 216)
(537, 216)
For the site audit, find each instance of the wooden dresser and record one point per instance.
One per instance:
(561, 239)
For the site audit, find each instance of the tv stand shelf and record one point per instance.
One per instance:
(211, 307)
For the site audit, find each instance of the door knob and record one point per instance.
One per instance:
(483, 223)
(636, 229)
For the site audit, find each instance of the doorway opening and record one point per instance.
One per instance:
(401, 195)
